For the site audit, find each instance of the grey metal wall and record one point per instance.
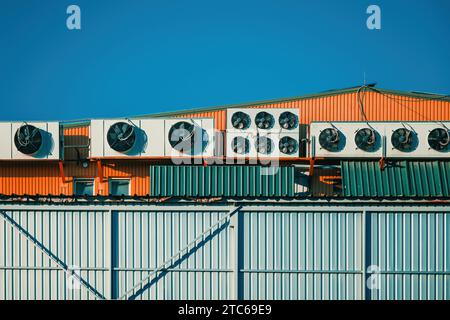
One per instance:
(282, 251)
(145, 239)
(78, 238)
(412, 250)
(301, 255)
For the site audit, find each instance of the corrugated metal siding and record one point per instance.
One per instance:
(44, 178)
(38, 177)
(402, 178)
(76, 136)
(146, 239)
(41, 178)
(77, 238)
(301, 255)
(344, 107)
(413, 255)
(218, 181)
(281, 252)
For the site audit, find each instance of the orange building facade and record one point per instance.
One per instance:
(57, 177)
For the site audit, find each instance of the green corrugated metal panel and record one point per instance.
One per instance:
(221, 181)
(402, 178)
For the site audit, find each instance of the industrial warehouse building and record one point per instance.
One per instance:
(337, 195)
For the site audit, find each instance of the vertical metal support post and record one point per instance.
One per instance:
(111, 253)
(234, 256)
(363, 254)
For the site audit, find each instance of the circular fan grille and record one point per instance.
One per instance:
(402, 139)
(439, 139)
(182, 136)
(264, 145)
(288, 145)
(365, 139)
(240, 145)
(28, 139)
(329, 139)
(264, 120)
(288, 120)
(240, 120)
(121, 136)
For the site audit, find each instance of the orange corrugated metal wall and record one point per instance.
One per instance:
(344, 107)
(44, 178)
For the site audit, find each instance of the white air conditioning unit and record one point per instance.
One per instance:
(126, 138)
(347, 139)
(380, 139)
(240, 145)
(150, 138)
(417, 139)
(189, 137)
(265, 129)
(30, 141)
(262, 120)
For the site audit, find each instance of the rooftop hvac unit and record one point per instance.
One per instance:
(118, 138)
(271, 133)
(30, 140)
(273, 145)
(262, 120)
(189, 137)
(346, 139)
(380, 139)
(270, 145)
(152, 137)
(240, 145)
(417, 140)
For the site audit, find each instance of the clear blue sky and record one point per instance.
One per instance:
(136, 57)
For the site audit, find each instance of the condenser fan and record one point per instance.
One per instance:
(264, 145)
(439, 139)
(240, 145)
(182, 136)
(402, 139)
(288, 120)
(264, 120)
(288, 145)
(240, 120)
(329, 139)
(28, 139)
(365, 139)
(121, 136)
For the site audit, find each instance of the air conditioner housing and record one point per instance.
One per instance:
(30, 141)
(253, 113)
(384, 146)
(201, 143)
(151, 138)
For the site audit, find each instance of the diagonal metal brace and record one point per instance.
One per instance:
(49, 254)
(166, 264)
